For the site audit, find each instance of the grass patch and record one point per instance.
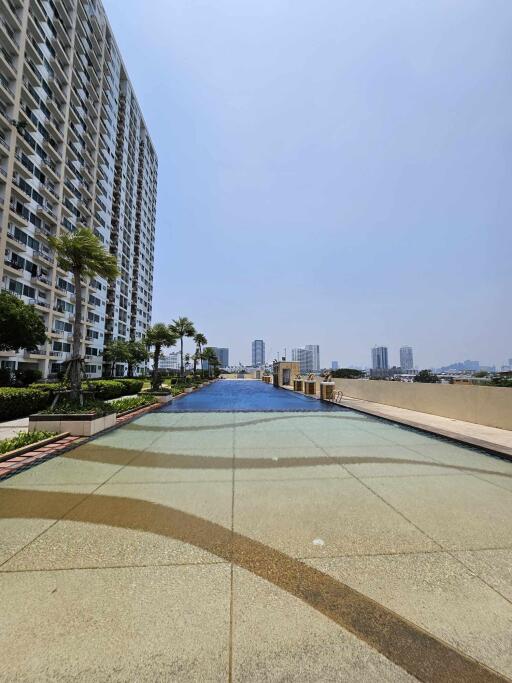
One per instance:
(23, 439)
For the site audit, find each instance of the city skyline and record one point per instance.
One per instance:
(234, 164)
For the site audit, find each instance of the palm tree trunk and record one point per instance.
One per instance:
(75, 363)
(182, 369)
(156, 357)
(195, 361)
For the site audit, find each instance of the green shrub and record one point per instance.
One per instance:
(26, 377)
(16, 403)
(68, 408)
(131, 386)
(23, 439)
(123, 404)
(49, 387)
(107, 388)
(6, 377)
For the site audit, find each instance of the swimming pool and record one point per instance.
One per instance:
(247, 396)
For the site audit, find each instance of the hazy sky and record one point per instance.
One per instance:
(334, 173)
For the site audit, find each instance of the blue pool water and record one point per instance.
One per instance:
(246, 396)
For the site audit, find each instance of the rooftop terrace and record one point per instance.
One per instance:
(280, 539)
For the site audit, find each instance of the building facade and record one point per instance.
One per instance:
(172, 361)
(380, 358)
(315, 355)
(334, 365)
(222, 354)
(74, 151)
(305, 359)
(258, 353)
(406, 359)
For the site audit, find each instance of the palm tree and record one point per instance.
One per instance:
(158, 336)
(180, 328)
(210, 357)
(200, 341)
(82, 254)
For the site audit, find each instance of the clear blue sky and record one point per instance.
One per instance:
(331, 172)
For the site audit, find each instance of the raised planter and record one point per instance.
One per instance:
(327, 390)
(267, 379)
(77, 424)
(161, 396)
(310, 387)
(32, 446)
(298, 385)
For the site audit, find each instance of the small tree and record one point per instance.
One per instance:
(115, 352)
(426, 377)
(158, 336)
(82, 254)
(180, 328)
(21, 326)
(137, 353)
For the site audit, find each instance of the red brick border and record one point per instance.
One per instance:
(21, 462)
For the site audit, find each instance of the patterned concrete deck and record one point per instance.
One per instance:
(258, 546)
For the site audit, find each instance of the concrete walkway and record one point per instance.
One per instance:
(499, 440)
(258, 547)
(10, 428)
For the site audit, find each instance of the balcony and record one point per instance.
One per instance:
(8, 37)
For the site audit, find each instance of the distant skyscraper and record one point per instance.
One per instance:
(380, 358)
(406, 359)
(315, 350)
(334, 365)
(223, 356)
(305, 358)
(258, 353)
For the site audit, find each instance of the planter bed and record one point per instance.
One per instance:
(77, 424)
(32, 446)
(161, 397)
(134, 410)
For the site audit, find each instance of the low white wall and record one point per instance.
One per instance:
(491, 406)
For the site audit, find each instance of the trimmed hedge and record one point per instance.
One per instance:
(108, 388)
(131, 385)
(104, 388)
(16, 403)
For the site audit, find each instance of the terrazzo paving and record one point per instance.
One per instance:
(265, 545)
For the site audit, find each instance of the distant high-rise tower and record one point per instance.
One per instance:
(258, 353)
(380, 358)
(305, 358)
(334, 365)
(315, 351)
(406, 359)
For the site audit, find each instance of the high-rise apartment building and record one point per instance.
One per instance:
(305, 357)
(315, 353)
(334, 365)
(406, 359)
(380, 358)
(222, 354)
(258, 353)
(74, 151)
